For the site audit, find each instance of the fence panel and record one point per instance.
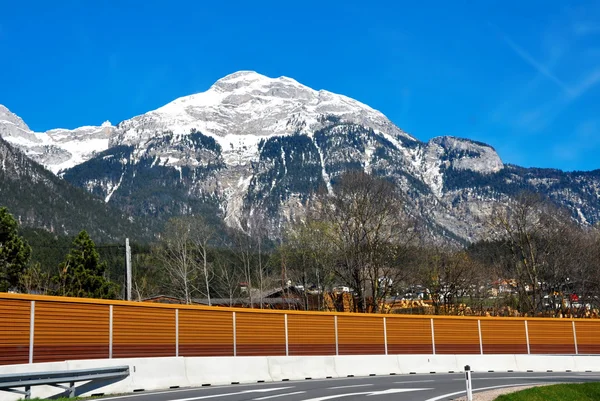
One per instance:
(205, 333)
(409, 336)
(143, 331)
(65, 330)
(456, 336)
(260, 334)
(551, 336)
(311, 335)
(588, 336)
(14, 331)
(503, 336)
(361, 335)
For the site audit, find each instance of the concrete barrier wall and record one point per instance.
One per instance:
(150, 373)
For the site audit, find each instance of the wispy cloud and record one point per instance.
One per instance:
(528, 58)
(585, 28)
(587, 83)
(537, 117)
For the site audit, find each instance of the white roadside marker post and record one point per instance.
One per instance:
(468, 380)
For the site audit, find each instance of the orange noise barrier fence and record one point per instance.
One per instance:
(44, 329)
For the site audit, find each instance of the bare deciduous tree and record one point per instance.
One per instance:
(532, 230)
(450, 276)
(368, 233)
(307, 258)
(183, 254)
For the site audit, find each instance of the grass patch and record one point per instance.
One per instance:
(56, 399)
(556, 392)
(70, 399)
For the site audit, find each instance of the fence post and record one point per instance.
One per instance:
(527, 338)
(287, 346)
(110, 332)
(176, 332)
(335, 324)
(385, 335)
(480, 339)
(432, 337)
(234, 336)
(31, 330)
(575, 338)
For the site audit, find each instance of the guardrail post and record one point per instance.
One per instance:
(480, 339)
(110, 331)
(432, 337)
(527, 338)
(176, 332)
(234, 336)
(575, 338)
(385, 335)
(31, 330)
(287, 345)
(337, 345)
(468, 383)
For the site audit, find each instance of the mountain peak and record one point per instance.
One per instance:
(242, 75)
(242, 79)
(248, 104)
(8, 116)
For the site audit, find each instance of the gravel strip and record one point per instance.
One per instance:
(491, 395)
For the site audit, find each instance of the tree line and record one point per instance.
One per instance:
(358, 248)
(80, 274)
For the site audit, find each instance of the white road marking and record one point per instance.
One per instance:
(368, 393)
(517, 378)
(417, 381)
(397, 390)
(264, 390)
(147, 393)
(441, 397)
(355, 385)
(278, 395)
(173, 391)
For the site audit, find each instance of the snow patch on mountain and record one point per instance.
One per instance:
(244, 107)
(57, 149)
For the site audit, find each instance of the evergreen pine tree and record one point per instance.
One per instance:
(14, 252)
(82, 274)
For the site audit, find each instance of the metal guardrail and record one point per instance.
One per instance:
(13, 382)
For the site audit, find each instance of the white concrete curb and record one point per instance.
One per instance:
(163, 373)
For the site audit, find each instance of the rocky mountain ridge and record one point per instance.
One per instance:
(56, 149)
(37, 198)
(256, 145)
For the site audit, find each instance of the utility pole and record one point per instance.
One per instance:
(128, 267)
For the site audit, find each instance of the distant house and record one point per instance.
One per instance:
(278, 298)
(166, 299)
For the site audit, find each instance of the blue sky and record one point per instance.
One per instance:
(523, 77)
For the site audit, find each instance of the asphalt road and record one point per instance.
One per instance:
(424, 387)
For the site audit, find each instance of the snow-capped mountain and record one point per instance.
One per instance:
(253, 145)
(57, 149)
(243, 108)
